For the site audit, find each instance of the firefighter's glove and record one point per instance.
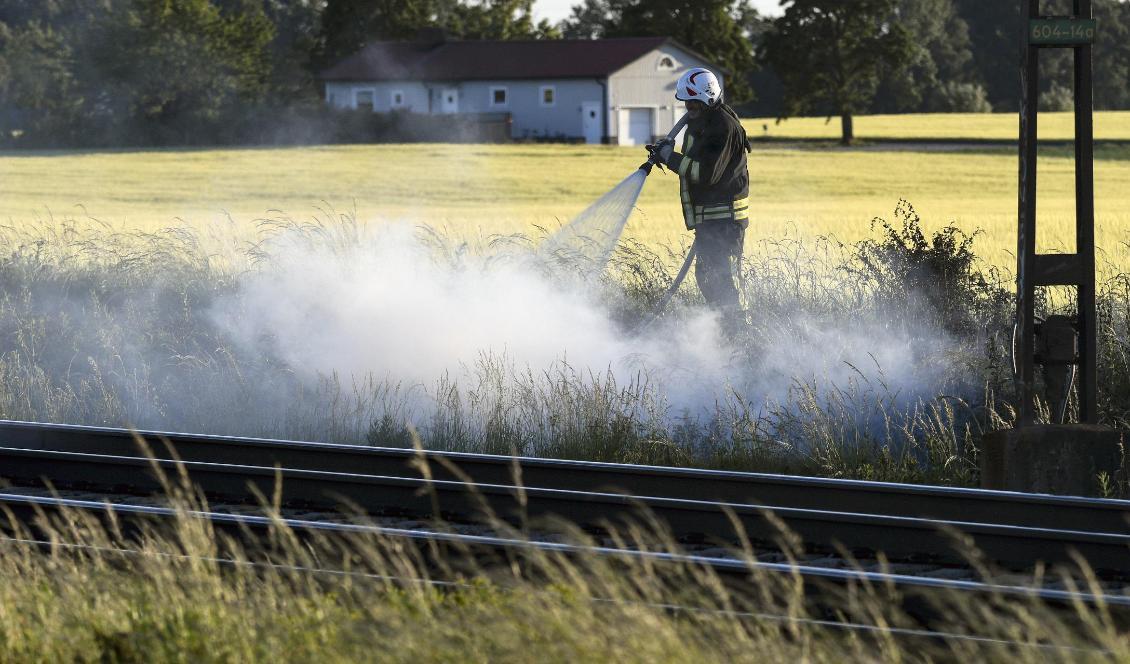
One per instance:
(660, 152)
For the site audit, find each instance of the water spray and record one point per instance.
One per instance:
(592, 235)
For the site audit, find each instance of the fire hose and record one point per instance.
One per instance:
(652, 161)
(658, 310)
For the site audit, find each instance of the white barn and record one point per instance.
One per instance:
(618, 91)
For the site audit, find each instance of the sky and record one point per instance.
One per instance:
(555, 10)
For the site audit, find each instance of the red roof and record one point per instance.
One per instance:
(471, 60)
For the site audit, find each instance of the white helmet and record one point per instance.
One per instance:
(699, 84)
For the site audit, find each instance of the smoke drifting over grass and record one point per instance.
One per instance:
(354, 333)
(388, 306)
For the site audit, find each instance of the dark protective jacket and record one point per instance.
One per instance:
(713, 174)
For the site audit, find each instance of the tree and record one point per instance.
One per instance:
(493, 19)
(37, 88)
(55, 14)
(297, 24)
(765, 98)
(176, 71)
(714, 28)
(1111, 55)
(996, 37)
(939, 75)
(113, 72)
(17, 13)
(829, 55)
(347, 25)
(589, 19)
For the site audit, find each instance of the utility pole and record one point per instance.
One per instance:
(1054, 458)
(1077, 33)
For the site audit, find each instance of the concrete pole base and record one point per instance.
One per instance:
(1063, 459)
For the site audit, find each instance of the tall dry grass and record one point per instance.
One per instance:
(187, 593)
(105, 327)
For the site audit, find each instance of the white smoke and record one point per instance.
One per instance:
(386, 307)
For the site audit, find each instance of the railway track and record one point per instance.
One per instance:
(920, 598)
(904, 522)
(822, 531)
(705, 511)
(945, 503)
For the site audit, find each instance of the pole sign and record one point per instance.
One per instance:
(1061, 31)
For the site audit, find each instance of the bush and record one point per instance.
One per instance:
(939, 276)
(956, 97)
(1057, 98)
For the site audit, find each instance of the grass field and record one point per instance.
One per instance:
(1109, 125)
(797, 190)
(148, 330)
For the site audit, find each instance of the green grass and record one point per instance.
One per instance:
(1109, 125)
(480, 190)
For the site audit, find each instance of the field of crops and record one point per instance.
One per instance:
(797, 190)
(1109, 125)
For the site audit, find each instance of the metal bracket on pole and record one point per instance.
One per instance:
(1077, 33)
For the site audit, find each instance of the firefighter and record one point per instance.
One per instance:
(713, 184)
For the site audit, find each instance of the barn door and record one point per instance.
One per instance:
(449, 100)
(590, 122)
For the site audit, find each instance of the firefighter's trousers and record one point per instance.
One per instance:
(718, 253)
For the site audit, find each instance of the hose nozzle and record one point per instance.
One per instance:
(653, 160)
(654, 157)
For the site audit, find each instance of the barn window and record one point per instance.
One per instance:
(666, 63)
(397, 99)
(363, 99)
(548, 95)
(498, 96)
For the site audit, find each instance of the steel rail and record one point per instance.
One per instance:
(901, 538)
(854, 496)
(29, 512)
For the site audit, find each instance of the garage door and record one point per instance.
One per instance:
(636, 126)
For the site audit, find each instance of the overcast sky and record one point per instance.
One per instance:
(555, 10)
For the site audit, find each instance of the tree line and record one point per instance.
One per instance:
(116, 72)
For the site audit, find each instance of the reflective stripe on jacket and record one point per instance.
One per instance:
(712, 168)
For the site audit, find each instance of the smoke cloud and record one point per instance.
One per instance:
(389, 307)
